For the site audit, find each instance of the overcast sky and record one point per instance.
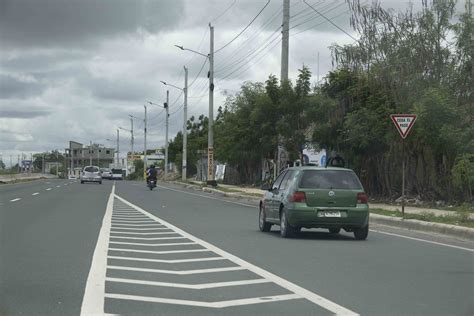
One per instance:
(75, 70)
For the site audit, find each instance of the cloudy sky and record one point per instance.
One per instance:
(76, 69)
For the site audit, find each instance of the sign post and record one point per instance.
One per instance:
(403, 123)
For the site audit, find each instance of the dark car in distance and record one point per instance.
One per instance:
(315, 197)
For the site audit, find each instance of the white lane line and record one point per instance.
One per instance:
(93, 300)
(114, 230)
(134, 220)
(115, 215)
(49, 189)
(14, 200)
(65, 184)
(221, 304)
(167, 261)
(423, 240)
(115, 224)
(141, 238)
(298, 290)
(58, 186)
(209, 197)
(189, 286)
(157, 233)
(164, 252)
(177, 272)
(153, 245)
(36, 193)
(136, 229)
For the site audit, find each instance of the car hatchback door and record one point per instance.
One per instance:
(331, 189)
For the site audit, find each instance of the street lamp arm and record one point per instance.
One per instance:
(127, 130)
(191, 50)
(171, 85)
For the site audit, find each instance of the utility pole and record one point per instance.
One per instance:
(118, 146)
(98, 155)
(90, 154)
(11, 163)
(42, 164)
(210, 140)
(285, 39)
(167, 104)
(57, 162)
(144, 153)
(131, 132)
(19, 163)
(285, 44)
(185, 126)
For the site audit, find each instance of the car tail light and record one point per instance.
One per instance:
(362, 198)
(298, 196)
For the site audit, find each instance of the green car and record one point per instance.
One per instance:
(315, 197)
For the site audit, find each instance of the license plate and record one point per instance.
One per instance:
(331, 214)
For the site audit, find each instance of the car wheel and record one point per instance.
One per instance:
(262, 221)
(100, 182)
(82, 182)
(334, 230)
(361, 233)
(286, 231)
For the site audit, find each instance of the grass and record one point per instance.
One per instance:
(459, 218)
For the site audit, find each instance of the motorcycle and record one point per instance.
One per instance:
(152, 184)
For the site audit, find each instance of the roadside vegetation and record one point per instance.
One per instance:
(404, 62)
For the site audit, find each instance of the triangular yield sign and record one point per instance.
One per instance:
(403, 122)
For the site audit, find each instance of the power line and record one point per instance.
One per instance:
(202, 67)
(334, 24)
(320, 23)
(224, 12)
(317, 16)
(218, 50)
(272, 38)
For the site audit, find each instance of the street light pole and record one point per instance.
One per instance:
(167, 108)
(185, 121)
(118, 146)
(90, 153)
(210, 138)
(185, 126)
(144, 153)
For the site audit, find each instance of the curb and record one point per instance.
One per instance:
(410, 224)
(414, 224)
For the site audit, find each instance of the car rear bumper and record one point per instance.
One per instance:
(91, 179)
(354, 217)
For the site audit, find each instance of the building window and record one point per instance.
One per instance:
(107, 152)
(100, 150)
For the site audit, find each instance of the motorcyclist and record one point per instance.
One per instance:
(151, 174)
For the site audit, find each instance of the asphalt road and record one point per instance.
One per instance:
(174, 251)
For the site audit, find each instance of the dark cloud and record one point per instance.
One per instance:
(23, 114)
(11, 87)
(46, 23)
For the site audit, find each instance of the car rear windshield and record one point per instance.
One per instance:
(330, 179)
(104, 170)
(117, 171)
(91, 169)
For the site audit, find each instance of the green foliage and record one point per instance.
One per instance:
(138, 174)
(463, 174)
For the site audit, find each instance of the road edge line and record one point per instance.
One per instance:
(94, 293)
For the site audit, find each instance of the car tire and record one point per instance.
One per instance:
(262, 221)
(286, 231)
(334, 230)
(361, 233)
(100, 182)
(82, 182)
